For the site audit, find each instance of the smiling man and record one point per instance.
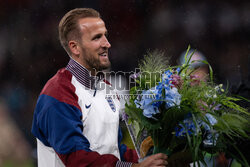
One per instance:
(91, 50)
(74, 123)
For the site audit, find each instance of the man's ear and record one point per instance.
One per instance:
(74, 48)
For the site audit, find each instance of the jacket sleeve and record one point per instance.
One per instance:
(127, 154)
(58, 125)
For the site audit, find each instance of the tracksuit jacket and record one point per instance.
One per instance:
(76, 122)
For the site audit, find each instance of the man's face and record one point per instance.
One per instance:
(94, 44)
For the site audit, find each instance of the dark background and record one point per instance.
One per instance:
(30, 52)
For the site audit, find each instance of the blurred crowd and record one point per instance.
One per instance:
(30, 52)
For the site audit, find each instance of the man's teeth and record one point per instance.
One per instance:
(103, 54)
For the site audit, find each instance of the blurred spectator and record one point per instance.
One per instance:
(13, 146)
(196, 63)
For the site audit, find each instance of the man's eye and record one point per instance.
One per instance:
(97, 37)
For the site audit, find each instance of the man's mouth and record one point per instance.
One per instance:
(104, 54)
(104, 60)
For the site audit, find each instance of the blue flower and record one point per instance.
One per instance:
(178, 70)
(210, 139)
(166, 78)
(146, 102)
(150, 100)
(172, 98)
(211, 135)
(150, 110)
(158, 94)
(187, 126)
(211, 120)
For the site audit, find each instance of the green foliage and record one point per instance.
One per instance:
(155, 61)
(151, 68)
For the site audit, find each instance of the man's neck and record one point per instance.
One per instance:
(92, 71)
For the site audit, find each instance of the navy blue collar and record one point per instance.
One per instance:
(81, 73)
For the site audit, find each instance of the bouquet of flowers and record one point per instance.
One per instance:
(182, 113)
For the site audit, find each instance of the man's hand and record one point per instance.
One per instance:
(159, 160)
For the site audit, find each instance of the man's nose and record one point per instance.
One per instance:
(105, 43)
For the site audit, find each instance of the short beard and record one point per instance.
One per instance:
(95, 64)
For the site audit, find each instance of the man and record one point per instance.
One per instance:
(75, 125)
